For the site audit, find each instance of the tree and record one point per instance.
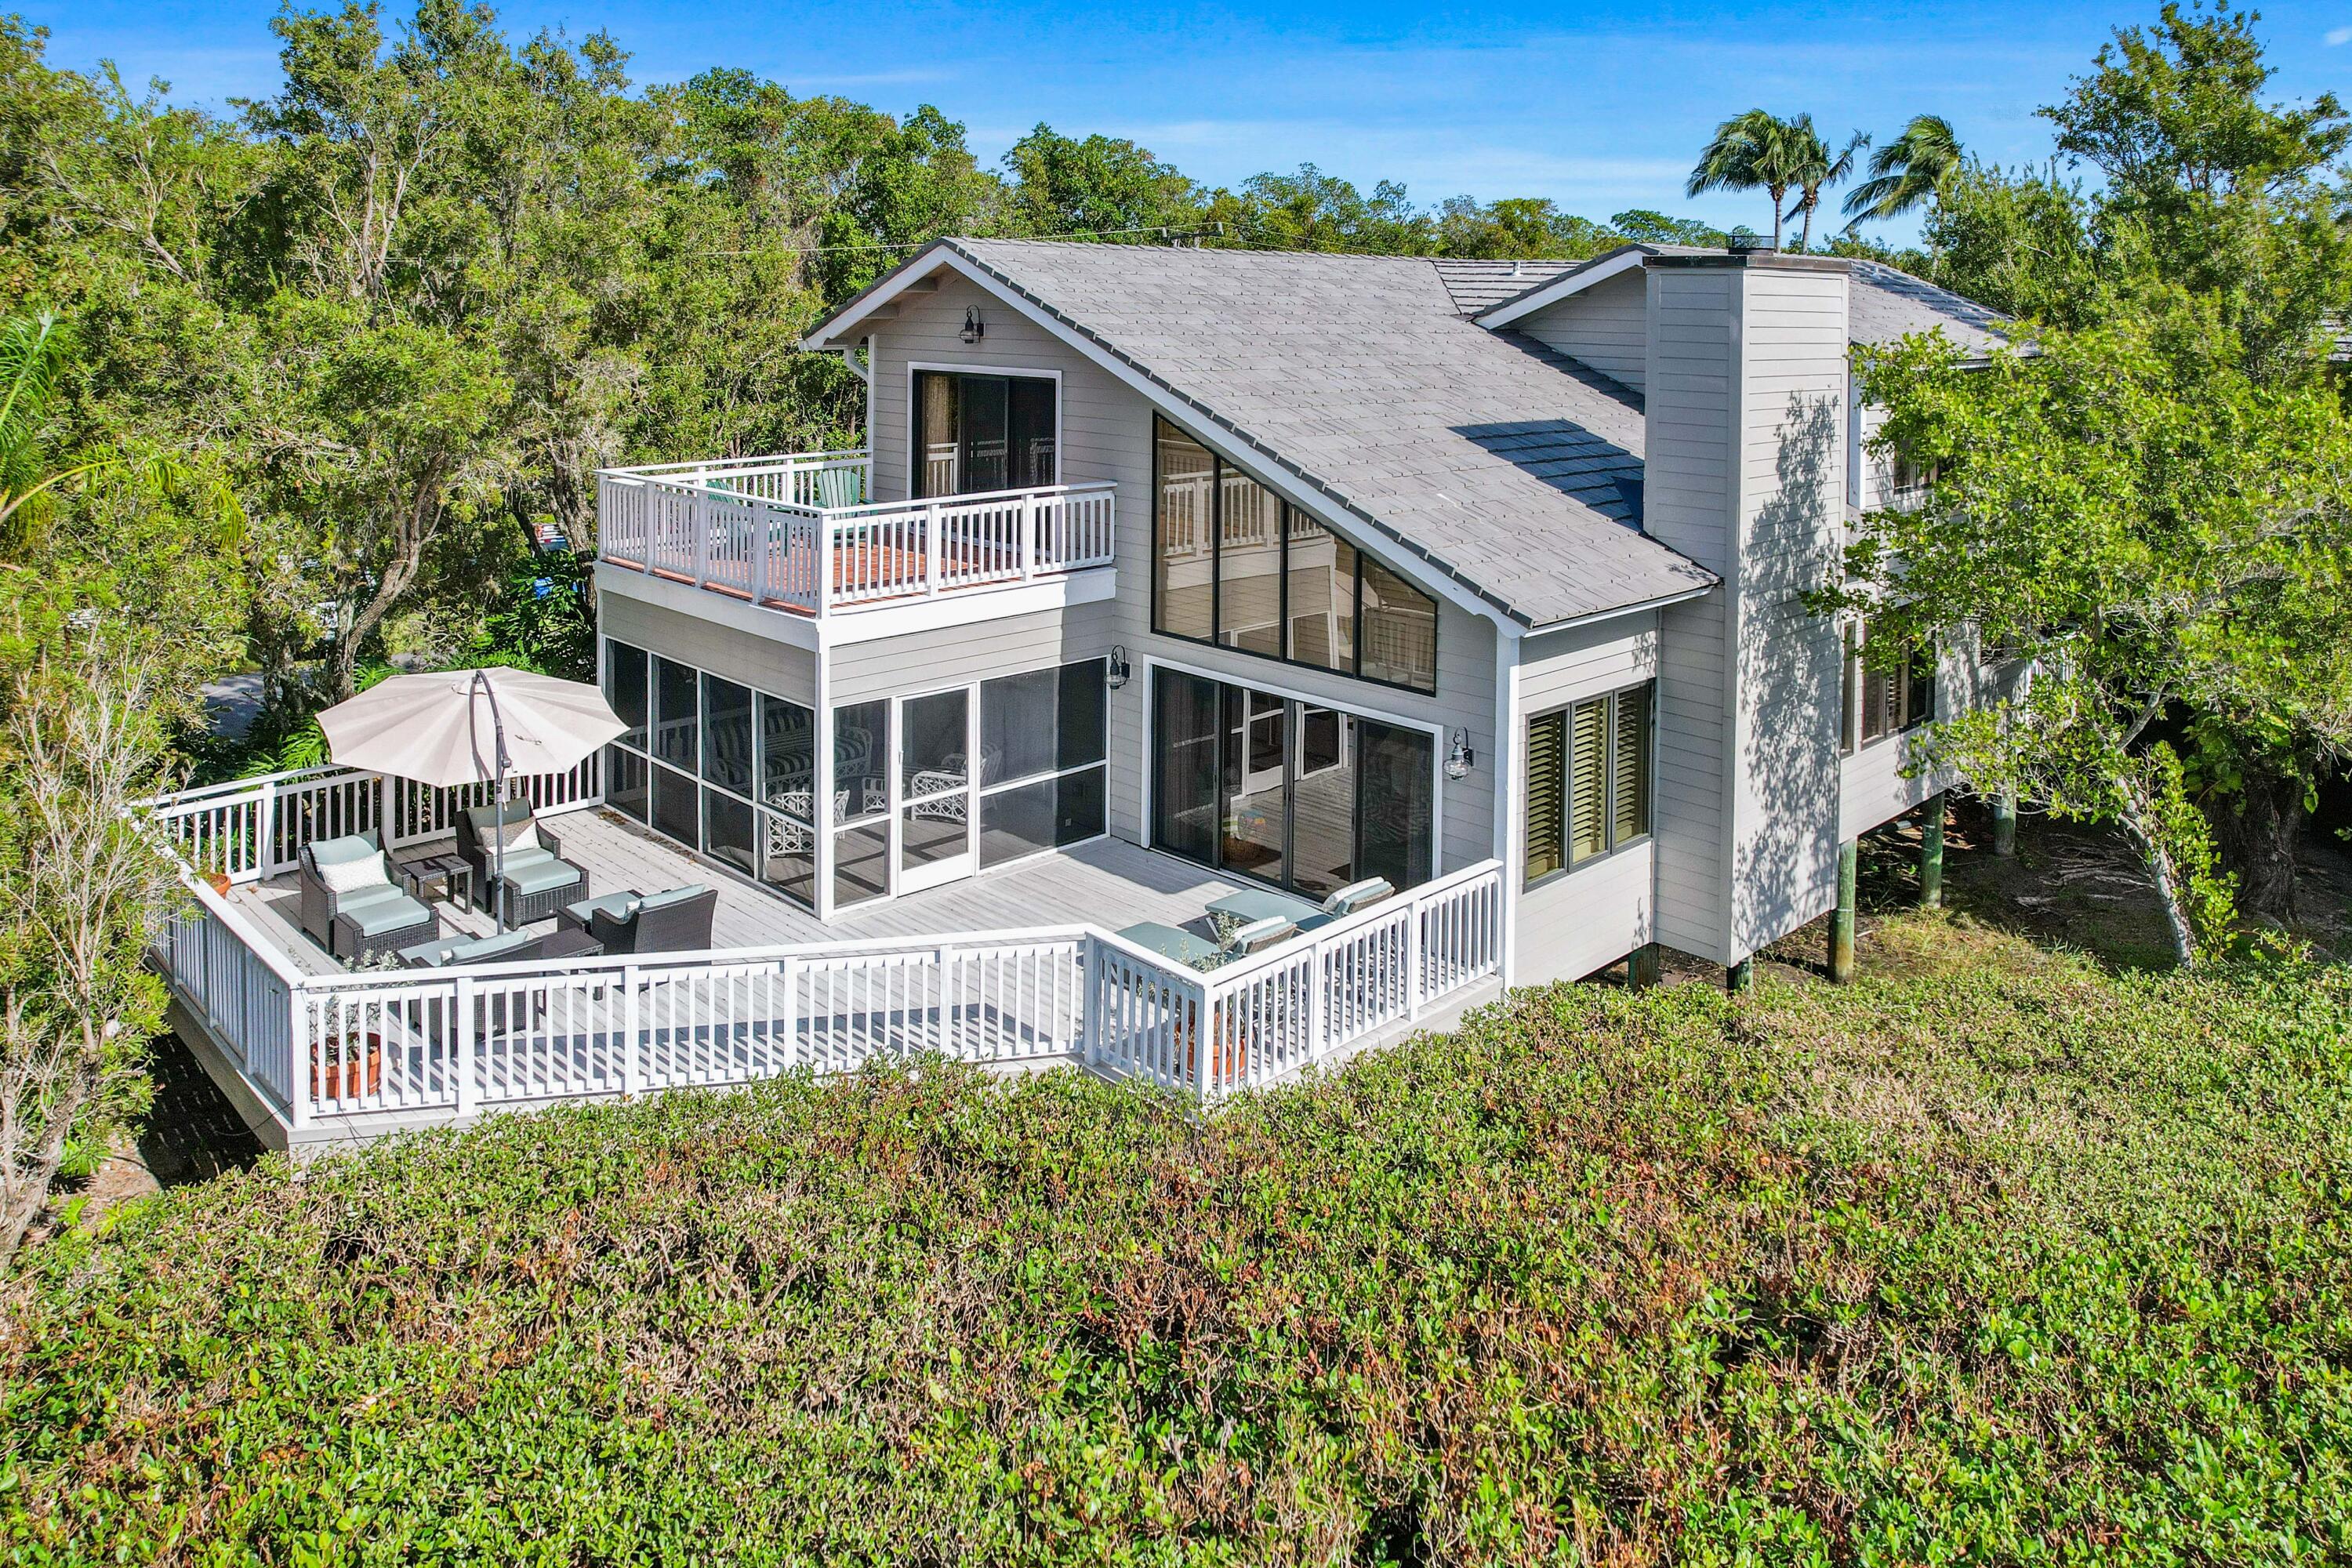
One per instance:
(1751, 151)
(81, 884)
(1516, 228)
(1103, 188)
(1656, 228)
(1914, 168)
(1812, 167)
(1310, 210)
(2142, 540)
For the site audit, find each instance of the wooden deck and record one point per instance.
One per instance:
(1109, 883)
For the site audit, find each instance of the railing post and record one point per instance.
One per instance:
(1313, 1023)
(702, 525)
(470, 1088)
(762, 518)
(792, 1022)
(947, 1001)
(266, 852)
(632, 1065)
(932, 544)
(821, 564)
(1412, 958)
(1090, 966)
(1028, 537)
(1207, 1039)
(301, 1059)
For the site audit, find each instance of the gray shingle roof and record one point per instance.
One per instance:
(1498, 461)
(1887, 304)
(1476, 284)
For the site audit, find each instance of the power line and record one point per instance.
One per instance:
(1166, 231)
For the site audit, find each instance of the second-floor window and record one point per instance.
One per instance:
(979, 433)
(1885, 701)
(1234, 564)
(1588, 780)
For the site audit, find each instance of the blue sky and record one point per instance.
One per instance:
(1600, 110)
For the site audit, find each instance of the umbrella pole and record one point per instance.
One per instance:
(499, 755)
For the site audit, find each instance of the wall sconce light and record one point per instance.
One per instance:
(1115, 676)
(971, 327)
(1461, 759)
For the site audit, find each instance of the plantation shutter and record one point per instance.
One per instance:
(1546, 780)
(1588, 779)
(1630, 788)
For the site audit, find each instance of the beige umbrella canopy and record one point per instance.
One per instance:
(470, 726)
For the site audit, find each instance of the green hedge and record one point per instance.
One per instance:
(2010, 1261)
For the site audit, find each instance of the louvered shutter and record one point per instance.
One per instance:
(1631, 765)
(1588, 779)
(1547, 778)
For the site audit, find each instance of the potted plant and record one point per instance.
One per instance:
(351, 1065)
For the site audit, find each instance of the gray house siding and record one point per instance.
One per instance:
(1106, 434)
(755, 662)
(1590, 915)
(1606, 326)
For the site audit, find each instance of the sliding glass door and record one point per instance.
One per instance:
(979, 433)
(1304, 797)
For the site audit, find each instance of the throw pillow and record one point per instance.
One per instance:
(351, 876)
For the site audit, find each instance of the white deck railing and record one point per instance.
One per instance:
(433, 1044)
(759, 529)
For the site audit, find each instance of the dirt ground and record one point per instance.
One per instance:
(192, 1134)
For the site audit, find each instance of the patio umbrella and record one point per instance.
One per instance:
(471, 726)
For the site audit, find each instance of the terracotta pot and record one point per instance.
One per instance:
(219, 880)
(328, 1072)
(1231, 1056)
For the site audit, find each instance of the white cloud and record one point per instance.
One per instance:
(2337, 37)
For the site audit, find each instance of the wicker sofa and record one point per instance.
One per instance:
(351, 905)
(538, 881)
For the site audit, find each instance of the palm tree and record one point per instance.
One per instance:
(1916, 166)
(1754, 150)
(34, 351)
(1813, 168)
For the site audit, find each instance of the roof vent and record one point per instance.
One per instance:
(1746, 244)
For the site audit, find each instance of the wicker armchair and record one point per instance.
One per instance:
(538, 879)
(358, 922)
(675, 922)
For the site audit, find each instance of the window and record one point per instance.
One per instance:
(721, 768)
(1043, 745)
(1883, 701)
(1295, 794)
(1588, 776)
(1234, 565)
(979, 433)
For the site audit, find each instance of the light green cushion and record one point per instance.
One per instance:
(613, 906)
(380, 912)
(343, 851)
(674, 896)
(540, 876)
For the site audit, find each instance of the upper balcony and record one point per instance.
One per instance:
(792, 532)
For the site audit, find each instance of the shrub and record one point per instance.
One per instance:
(2012, 1260)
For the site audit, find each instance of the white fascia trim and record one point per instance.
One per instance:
(1560, 288)
(1643, 607)
(838, 331)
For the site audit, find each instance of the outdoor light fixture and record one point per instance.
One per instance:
(1115, 676)
(1461, 759)
(971, 327)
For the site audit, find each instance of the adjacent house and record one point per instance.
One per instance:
(1215, 661)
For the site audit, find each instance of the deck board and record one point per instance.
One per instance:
(1108, 883)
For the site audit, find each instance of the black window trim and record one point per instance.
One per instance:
(1216, 525)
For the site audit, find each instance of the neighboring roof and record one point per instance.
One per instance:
(1498, 462)
(1886, 304)
(1476, 284)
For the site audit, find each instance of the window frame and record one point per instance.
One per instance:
(1219, 467)
(1853, 692)
(915, 369)
(1564, 712)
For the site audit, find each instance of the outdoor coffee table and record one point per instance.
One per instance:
(455, 878)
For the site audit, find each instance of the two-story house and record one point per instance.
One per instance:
(1303, 569)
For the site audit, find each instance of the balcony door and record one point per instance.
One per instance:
(1303, 795)
(980, 433)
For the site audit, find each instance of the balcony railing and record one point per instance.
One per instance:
(433, 1044)
(781, 533)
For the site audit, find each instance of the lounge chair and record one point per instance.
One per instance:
(538, 879)
(352, 905)
(676, 922)
(1263, 903)
(1199, 953)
